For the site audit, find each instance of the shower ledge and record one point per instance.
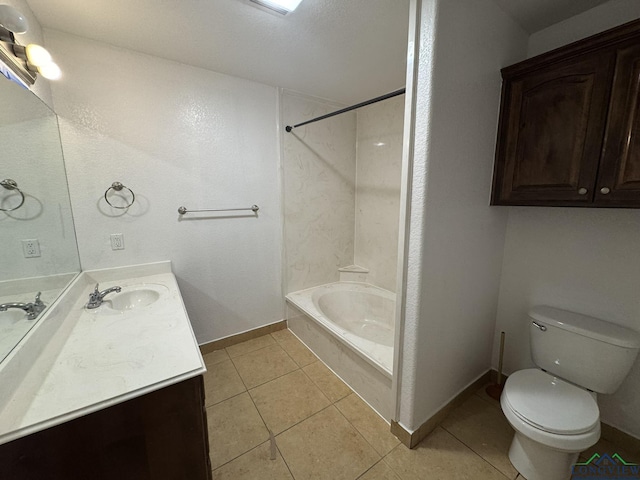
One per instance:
(77, 361)
(354, 269)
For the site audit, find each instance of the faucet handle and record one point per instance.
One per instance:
(97, 290)
(38, 301)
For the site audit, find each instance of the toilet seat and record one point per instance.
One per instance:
(550, 403)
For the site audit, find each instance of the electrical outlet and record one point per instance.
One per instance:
(117, 241)
(31, 248)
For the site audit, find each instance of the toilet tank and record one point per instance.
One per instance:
(586, 351)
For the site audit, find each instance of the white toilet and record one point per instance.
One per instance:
(553, 407)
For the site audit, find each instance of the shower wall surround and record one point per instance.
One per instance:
(341, 191)
(319, 191)
(379, 158)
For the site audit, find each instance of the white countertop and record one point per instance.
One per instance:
(94, 360)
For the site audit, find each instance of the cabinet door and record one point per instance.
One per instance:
(159, 436)
(619, 178)
(551, 132)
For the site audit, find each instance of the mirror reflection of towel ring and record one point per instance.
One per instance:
(12, 185)
(117, 186)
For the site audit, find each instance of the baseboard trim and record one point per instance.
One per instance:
(618, 437)
(242, 337)
(410, 440)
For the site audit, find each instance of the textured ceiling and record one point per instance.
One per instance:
(343, 50)
(535, 15)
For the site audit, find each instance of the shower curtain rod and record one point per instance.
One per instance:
(288, 128)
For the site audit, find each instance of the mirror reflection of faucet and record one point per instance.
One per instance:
(96, 297)
(32, 309)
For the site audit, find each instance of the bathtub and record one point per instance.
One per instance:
(350, 327)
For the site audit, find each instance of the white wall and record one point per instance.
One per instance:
(585, 260)
(378, 170)
(454, 261)
(176, 135)
(319, 169)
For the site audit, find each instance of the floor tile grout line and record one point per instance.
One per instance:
(288, 428)
(368, 469)
(252, 402)
(258, 409)
(302, 345)
(271, 379)
(238, 456)
(239, 376)
(317, 386)
(400, 445)
(286, 464)
(261, 418)
(358, 430)
(333, 375)
(224, 400)
(275, 378)
(331, 403)
(476, 453)
(304, 419)
(252, 351)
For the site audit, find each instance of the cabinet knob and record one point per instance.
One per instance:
(605, 190)
(582, 191)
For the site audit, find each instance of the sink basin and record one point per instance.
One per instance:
(132, 298)
(12, 316)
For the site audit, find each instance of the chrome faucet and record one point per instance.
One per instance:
(32, 309)
(96, 297)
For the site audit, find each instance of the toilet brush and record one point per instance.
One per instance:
(495, 390)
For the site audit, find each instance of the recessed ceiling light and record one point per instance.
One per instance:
(281, 6)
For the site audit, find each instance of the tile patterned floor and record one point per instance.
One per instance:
(325, 431)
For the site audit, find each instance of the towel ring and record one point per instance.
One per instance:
(12, 185)
(117, 186)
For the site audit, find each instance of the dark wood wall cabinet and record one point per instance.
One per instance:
(569, 131)
(158, 436)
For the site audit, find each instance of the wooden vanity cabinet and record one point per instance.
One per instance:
(159, 436)
(570, 125)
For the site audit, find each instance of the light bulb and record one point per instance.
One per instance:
(50, 71)
(12, 19)
(37, 56)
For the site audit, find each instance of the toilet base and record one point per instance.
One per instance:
(535, 461)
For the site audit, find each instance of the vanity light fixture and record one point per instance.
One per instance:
(17, 62)
(38, 60)
(282, 7)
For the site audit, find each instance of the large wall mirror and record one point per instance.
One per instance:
(38, 250)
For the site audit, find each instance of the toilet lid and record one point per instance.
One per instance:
(550, 403)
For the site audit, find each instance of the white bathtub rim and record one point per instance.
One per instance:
(303, 301)
(383, 292)
(338, 336)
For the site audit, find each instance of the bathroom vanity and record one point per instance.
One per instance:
(112, 392)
